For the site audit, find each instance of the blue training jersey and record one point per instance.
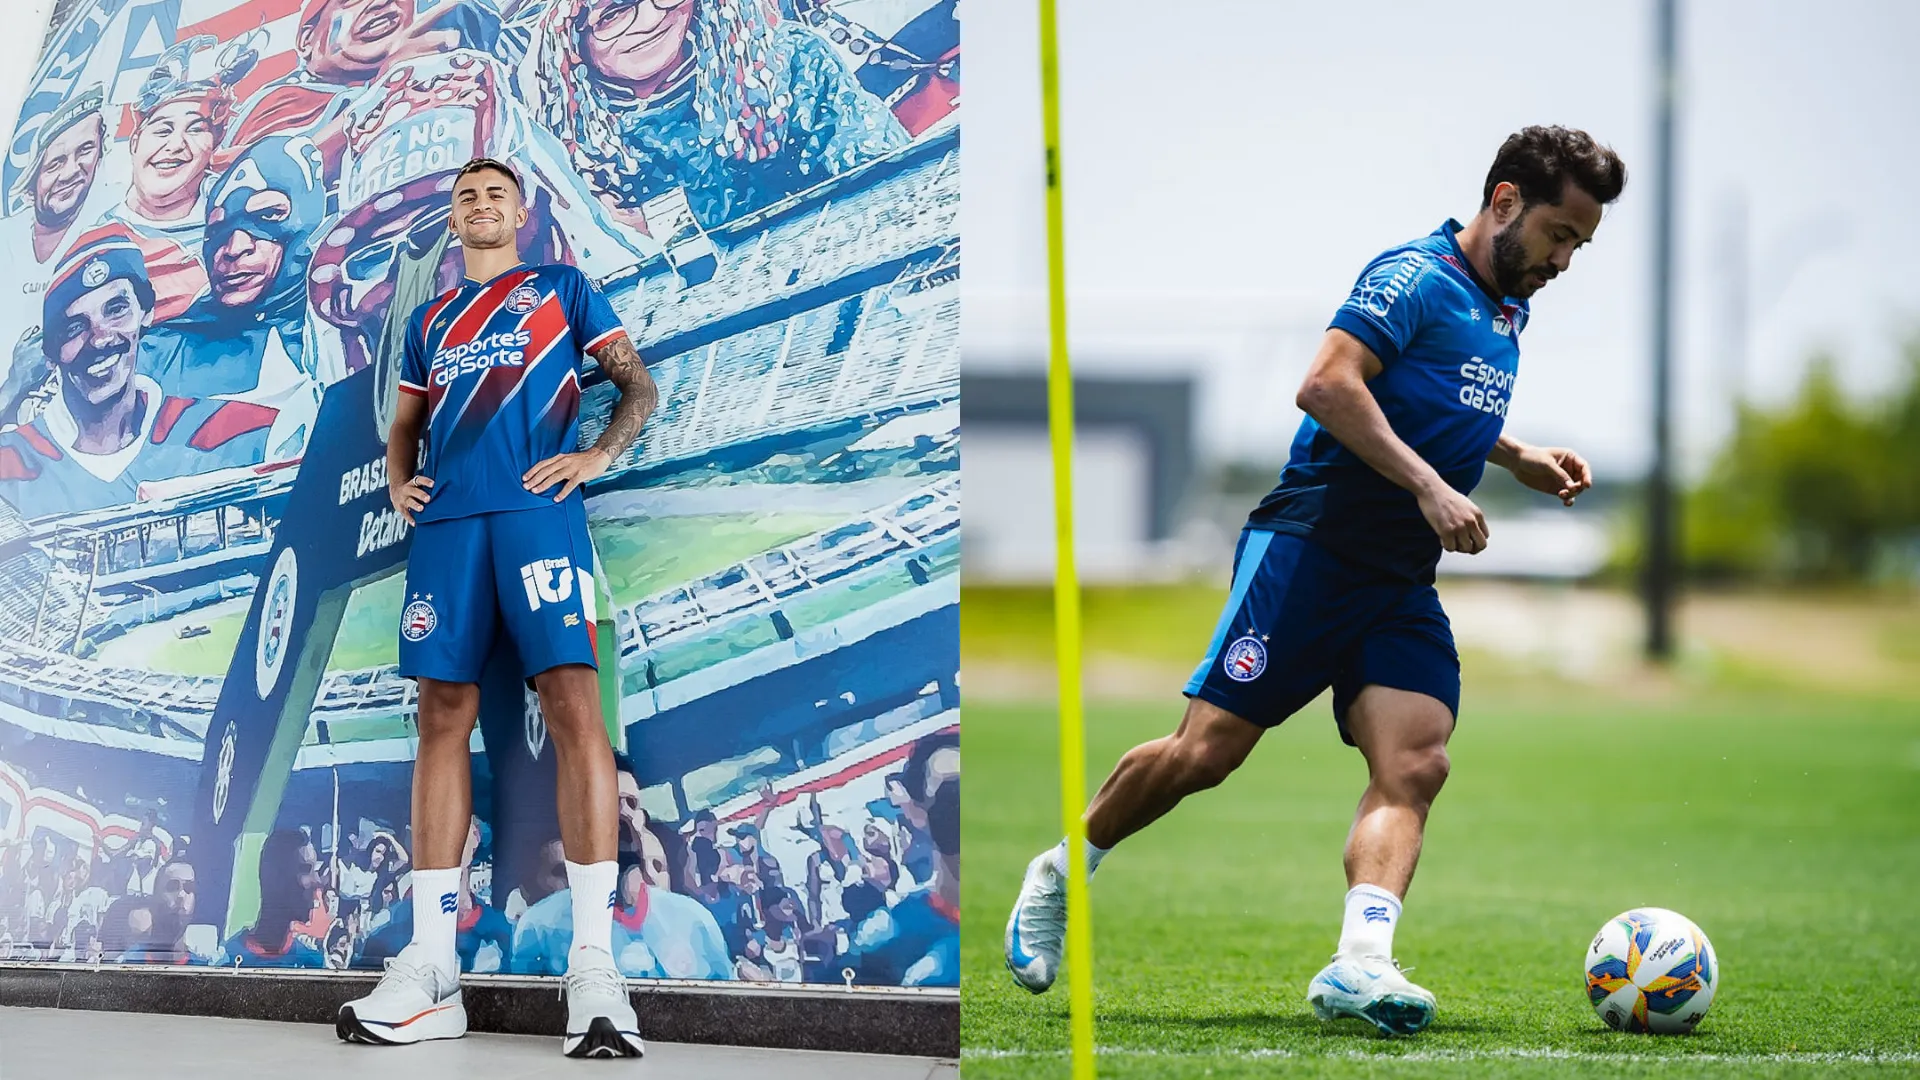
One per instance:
(1449, 352)
(499, 365)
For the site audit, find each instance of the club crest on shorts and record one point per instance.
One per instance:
(418, 620)
(1245, 659)
(523, 299)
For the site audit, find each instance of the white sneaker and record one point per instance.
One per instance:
(600, 1017)
(1372, 989)
(413, 1001)
(1038, 926)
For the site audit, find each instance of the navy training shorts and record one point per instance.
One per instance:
(1301, 618)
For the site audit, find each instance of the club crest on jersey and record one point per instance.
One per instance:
(1246, 658)
(1501, 326)
(418, 620)
(523, 299)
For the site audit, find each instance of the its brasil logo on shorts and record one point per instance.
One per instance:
(523, 299)
(1246, 658)
(418, 620)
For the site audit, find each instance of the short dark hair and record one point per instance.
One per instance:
(913, 775)
(706, 859)
(482, 164)
(674, 849)
(862, 899)
(1541, 160)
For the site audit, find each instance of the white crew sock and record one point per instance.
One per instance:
(436, 914)
(1094, 855)
(593, 898)
(1367, 930)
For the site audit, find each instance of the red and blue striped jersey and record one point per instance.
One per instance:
(499, 365)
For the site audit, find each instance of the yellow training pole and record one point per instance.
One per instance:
(1066, 581)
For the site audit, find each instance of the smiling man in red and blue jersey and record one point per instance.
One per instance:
(491, 378)
(1405, 404)
(107, 429)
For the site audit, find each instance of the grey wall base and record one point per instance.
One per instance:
(915, 1023)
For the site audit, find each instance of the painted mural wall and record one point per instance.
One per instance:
(218, 213)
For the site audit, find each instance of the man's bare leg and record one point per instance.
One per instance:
(418, 998)
(588, 799)
(600, 1017)
(1150, 780)
(442, 780)
(442, 810)
(1404, 738)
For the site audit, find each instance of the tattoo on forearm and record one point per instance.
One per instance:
(638, 395)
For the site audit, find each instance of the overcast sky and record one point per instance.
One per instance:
(1231, 164)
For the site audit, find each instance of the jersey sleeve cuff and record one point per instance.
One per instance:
(616, 332)
(1368, 332)
(411, 388)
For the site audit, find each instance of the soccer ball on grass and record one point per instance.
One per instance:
(1651, 970)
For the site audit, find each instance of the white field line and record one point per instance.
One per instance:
(1863, 1057)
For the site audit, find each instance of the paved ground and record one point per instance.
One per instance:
(62, 1044)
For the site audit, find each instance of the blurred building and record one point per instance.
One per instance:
(1135, 470)
(1148, 506)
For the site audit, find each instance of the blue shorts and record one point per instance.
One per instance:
(1301, 619)
(529, 572)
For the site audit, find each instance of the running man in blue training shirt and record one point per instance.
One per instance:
(491, 377)
(1333, 579)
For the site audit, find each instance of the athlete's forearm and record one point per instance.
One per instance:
(403, 442)
(638, 396)
(1348, 411)
(1506, 453)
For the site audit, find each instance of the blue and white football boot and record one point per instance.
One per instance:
(1370, 988)
(1037, 929)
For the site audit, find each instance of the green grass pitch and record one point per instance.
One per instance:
(1786, 823)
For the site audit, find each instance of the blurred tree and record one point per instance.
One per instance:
(1822, 489)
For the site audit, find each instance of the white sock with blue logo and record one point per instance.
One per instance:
(592, 885)
(436, 915)
(1372, 913)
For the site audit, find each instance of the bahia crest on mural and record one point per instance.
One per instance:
(218, 214)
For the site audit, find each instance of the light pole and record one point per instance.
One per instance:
(1661, 532)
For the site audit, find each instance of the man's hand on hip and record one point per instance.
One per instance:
(411, 497)
(569, 470)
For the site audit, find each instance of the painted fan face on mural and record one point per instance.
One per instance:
(347, 41)
(636, 43)
(64, 173)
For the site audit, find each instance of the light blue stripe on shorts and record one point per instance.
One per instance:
(1251, 556)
